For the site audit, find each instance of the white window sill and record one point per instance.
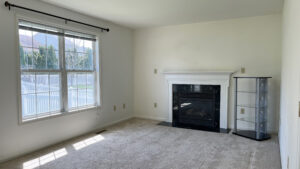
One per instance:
(58, 114)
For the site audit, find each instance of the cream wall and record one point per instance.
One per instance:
(253, 43)
(289, 130)
(117, 81)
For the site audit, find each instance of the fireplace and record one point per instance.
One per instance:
(199, 78)
(196, 106)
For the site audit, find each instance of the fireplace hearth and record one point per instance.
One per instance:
(196, 106)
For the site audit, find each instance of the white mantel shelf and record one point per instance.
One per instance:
(197, 77)
(193, 72)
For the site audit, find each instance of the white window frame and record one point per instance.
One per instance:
(63, 94)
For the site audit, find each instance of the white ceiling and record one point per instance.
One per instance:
(151, 13)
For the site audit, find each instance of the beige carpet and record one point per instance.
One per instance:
(141, 144)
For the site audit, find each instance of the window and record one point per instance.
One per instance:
(57, 71)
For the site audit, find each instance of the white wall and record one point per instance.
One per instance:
(117, 81)
(289, 127)
(253, 43)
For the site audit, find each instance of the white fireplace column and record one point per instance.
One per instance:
(221, 78)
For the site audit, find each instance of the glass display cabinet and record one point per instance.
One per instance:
(251, 107)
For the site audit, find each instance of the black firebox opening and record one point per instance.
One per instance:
(196, 106)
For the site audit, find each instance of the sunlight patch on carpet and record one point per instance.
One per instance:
(34, 163)
(92, 140)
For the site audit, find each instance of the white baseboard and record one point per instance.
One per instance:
(150, 117)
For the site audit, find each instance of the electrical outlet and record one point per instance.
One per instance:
(242, 111)
(243, 70)
(115, 108)
(155, 105)
(124, 106)
(155, 71)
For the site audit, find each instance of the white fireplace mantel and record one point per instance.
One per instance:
(221, 78)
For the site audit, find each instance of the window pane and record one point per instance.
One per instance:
(79, 54)
(38, 100)
(72, 81)
(26, 58)
(79, 61)
(86, 61)
(38, 50)
(90, 60)
(42, 82)
(90, 80)
(72, 90)
(25, 38)
(90, 89)
(52, 59)
(81, 80)
(74, 61)
(54, 82)
(69, 61)
(90, 97)
(69, 44)
(39, 58)
(52, 41)
(55, 92)
(88, 45)
(27, 83)
(23, 59)
(72, 98)
(81, 97)
(39, 40)
(81, 89)
(42, 102)
(28, 105)
(54, 101)
(79, 45)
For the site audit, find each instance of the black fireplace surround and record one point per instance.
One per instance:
(196, 106)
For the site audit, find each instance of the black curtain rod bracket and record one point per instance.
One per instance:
(9, 5)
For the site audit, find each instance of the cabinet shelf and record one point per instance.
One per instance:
(253, 92)
(254, 127)
(244, 120)
(249, 121)
(252, 107)
(250, 92)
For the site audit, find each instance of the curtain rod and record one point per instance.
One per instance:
(9, 5)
